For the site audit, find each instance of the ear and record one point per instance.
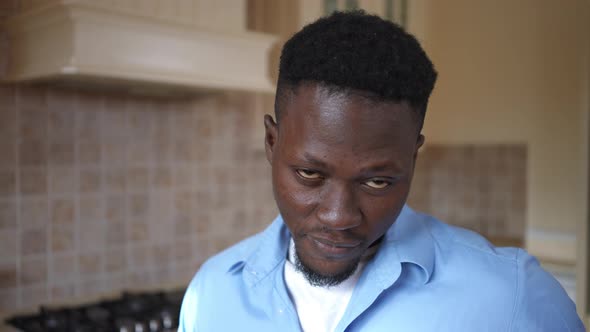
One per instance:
(270, 136)
(419, 144)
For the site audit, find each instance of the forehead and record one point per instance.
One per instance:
(326, 109)
(337, 123)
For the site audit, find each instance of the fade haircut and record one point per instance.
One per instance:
(357, 53)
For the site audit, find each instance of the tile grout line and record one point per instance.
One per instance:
(129, 271)
(101, 193)
(77, 227)
(151, 190)
(173, 213)
(76, 202)
(49, 199)
(17, 103)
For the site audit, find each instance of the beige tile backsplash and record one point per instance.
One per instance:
(102, 192)
(480, 187)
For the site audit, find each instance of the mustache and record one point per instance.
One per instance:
(338, 235)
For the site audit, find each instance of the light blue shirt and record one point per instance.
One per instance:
(426, 276)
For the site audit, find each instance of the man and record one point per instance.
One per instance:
(346, 253)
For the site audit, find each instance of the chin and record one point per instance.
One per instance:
(326, 273)
(331, 267)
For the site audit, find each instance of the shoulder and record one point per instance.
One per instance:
(220, 264)
(507, 275)
(541, 302)
(453, 240)
(224, 260)
(214, 278)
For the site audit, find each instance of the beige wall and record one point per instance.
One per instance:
(513, 71)
(510, 72)
(103, 192)
(584, 229)
(517, 72)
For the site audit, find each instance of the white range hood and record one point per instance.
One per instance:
(87, 43)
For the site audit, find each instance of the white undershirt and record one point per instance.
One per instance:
(319, 308)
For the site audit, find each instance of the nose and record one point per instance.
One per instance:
(338, 208)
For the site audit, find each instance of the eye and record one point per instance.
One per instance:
(377, 183)
(308, 175)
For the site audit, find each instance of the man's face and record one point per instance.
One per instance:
(341, 169)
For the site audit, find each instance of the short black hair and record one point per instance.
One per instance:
(353, 50)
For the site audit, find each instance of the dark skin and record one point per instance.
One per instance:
(341, 168)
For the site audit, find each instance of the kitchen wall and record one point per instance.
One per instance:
(101, 192)
(514, 73)
(479, 187)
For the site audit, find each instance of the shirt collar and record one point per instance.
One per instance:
(407, 241)
(269, 253)
(412, 240)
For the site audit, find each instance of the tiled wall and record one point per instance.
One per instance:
(101, 192)
(480, 187)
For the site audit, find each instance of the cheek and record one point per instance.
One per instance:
(294, 200)
(381, 212)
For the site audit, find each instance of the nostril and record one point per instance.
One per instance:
(336, 221)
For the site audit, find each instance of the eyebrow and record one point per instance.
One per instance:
(313, 160)
(379, 167)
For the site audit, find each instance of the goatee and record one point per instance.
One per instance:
(322, 280)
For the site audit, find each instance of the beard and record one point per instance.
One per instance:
(322, 280)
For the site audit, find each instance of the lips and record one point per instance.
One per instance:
(329, 248)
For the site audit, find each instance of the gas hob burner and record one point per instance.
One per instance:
(131, 312)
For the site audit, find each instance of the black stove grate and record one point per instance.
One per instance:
(131, 312)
